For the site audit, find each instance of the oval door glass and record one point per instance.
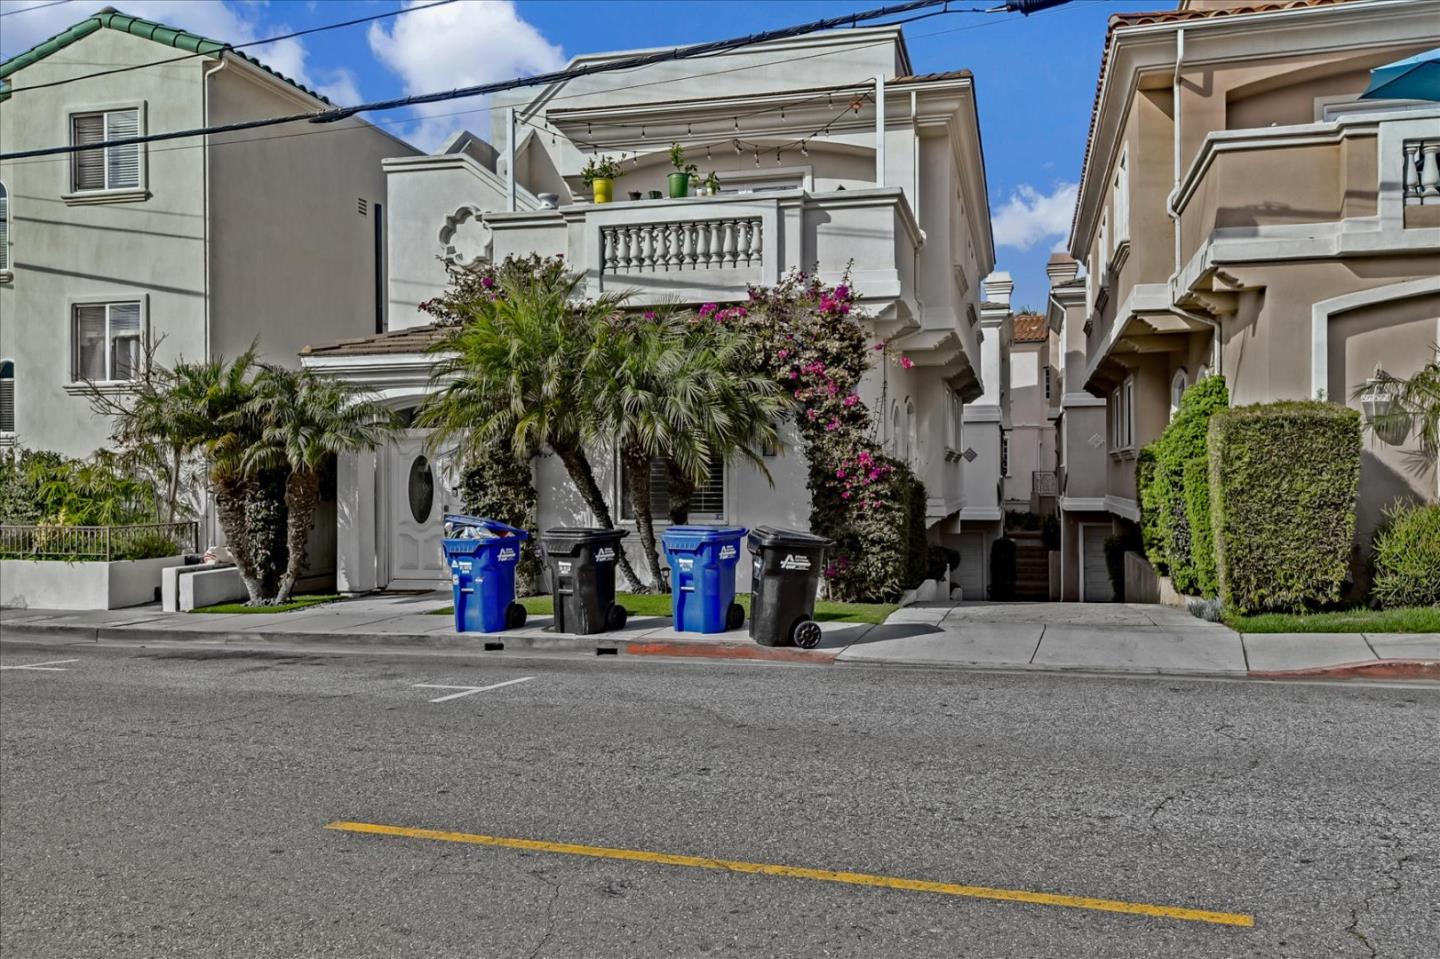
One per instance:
(421, 489)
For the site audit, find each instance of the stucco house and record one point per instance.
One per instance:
(832, 155)
(1242, 211)
(196, 247)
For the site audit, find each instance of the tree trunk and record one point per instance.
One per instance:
(302, 493)
(230, 498)
(681, 490)
(172, 489)
(638, 470)
(578, 466)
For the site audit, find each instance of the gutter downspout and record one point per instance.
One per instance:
(1175, 146)
(208, 512)
(880, 129)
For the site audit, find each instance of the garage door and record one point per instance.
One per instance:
(1097, 574)
(970, 577)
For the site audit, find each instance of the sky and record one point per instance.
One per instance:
(1034, 76)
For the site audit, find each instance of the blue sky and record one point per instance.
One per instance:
(1035, 76)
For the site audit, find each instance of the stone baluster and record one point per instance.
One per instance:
(1430, 170)
(691, 231)
(756, 244)
(712, 244)
(637, 250)
(674, 248)
(729, 250)
(647, 258)
(622, 249)
(1412, 171)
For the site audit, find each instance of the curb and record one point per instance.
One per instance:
(732, 651)
(1408, 669)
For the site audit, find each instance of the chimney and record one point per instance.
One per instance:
(1062, 268)
(998, 286)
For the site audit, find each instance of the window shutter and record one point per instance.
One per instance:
(89, 342)
(89, 165)
(122, 163)
(7, 397)
(4, 228)
(124, 341)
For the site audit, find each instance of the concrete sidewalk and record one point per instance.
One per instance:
(1109, 638)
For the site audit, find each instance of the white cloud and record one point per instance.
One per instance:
(1030, 217)
(458, 45)
(341, 88)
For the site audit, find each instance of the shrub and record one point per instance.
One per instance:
(1283, 484)
(1197, 517)
(1165, 524)
(1050, 532)
(941, 560)
(1115, 549)
(1407, 557)
(917, 547)
(1022, 519)
(500, 487)
(1002, 569)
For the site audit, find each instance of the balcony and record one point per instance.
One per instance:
(704, 249)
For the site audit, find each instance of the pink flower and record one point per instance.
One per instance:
(708, 309)
(649, 314)
(840, 474)
(782, 354)
(845, 495)
(864, 457)
(842, 291)
(487, 281)
(812, 414)
(833, 425)
(879, 347)
(794, 374)
(852, 399)
(906, 362)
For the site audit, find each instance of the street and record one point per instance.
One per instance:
(174, 802)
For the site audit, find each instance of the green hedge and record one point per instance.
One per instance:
(1160, 484)
(499, 487)
(1283, 484)
(1002, 569)
(917, 546)
(1197, 515)
(1407, 558)
(1126, 541)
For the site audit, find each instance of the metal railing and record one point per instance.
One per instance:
(99, 543)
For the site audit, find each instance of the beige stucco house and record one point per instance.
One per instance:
(851, 162)
(196, 246)
(1242, 211)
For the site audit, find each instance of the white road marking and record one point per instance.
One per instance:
(468, 690)
(50, 666)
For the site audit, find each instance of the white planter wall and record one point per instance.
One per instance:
(55, 584)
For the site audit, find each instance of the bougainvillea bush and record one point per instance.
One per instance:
(809, 336)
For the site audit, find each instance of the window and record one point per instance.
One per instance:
(4, 229)
(105, 340)
(1121, 413)
(708, 502)
(109, 168)
(7, 397)
(1047, 381)
(957, 421)
(1177, 390)
(1122, 200)
(912, 440)
(1004, 454)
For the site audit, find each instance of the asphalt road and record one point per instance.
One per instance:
(160, 803)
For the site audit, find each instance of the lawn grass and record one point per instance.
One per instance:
(1408, 619)
(304, 601)
(658, 604)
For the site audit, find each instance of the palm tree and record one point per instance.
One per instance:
(513, 371)
(303, 421)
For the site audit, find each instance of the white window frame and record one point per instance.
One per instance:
(72, 308)
(108, 193)
(1122, 198)
(1120, 408)
(7, 221)
(5, 361)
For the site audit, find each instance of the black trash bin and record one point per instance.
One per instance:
(783, 583)
(582, 574)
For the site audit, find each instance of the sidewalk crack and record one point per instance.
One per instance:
(1038, 640)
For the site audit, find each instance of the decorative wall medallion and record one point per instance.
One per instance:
(1095, 441)
(465, 239)
(969, 454)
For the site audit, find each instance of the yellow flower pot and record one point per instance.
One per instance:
(603, 189)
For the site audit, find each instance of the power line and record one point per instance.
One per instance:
(573, 96)
(219, 47)
(38, 6)
(611, 66)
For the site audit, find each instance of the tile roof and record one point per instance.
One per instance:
(414, 339)
(933, 77)
(1141, 18)
(146, 29)
(1030, 328)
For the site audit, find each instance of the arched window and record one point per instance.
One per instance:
(912, 441)
(4, 229)
(1178, 385)
(7, 396)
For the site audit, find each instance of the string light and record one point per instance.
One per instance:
(757, 156)
(777, 157)
(737, 148)
(804, 152)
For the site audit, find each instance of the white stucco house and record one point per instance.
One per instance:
(831, 153)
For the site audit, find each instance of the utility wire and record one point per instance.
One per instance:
(611, 66)
(221, 47)
(38, 6)
(471, 111)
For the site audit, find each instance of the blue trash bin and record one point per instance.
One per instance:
(482, 573)
(702, 577)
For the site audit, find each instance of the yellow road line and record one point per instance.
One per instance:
(800, 872)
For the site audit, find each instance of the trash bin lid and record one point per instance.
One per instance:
(775, 536)
(484, 522)
(691, 537)
(567, 540)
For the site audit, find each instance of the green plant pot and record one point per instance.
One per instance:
(679, 185)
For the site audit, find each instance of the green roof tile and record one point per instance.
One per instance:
(146, 29)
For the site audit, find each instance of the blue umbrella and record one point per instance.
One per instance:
(1414, 78)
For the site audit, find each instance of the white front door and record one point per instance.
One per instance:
(417, 507)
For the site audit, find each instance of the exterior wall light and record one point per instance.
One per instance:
(1378, 405)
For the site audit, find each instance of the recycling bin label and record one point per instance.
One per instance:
(605, 555)
(507, 555)
(727, 552)
(564, 568)
(795, 563)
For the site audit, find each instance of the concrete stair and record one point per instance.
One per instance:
(1032, 567)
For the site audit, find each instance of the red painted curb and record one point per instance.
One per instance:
(730, 651)
(1374, 669)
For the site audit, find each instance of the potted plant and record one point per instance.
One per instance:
(600, 174)
(684, 173)
(712, 184)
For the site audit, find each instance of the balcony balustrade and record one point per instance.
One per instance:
(675, 246)
(1422, 172)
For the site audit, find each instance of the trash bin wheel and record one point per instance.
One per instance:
(616, 616)
(806, 634)
(735, 616)
(514, 616)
